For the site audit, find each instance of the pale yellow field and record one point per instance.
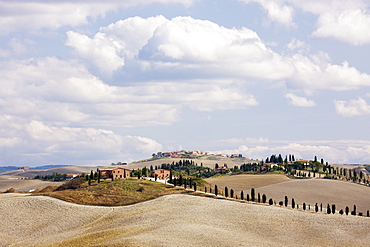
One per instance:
(173, 220)
(25, 185)
(310, 191)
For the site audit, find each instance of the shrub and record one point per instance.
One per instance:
(281, 203)
(72, 184)
(271, 201)
(341, 212)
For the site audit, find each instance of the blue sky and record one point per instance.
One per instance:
(91, 83)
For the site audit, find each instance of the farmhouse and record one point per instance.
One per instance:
(116, 173)
(161, 174)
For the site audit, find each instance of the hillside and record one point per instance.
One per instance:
(310, 191)
(207, 161)
(172, 220)
(31, 173)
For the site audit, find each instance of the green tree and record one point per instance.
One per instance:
(347, 210)
(316, 208)
(271, 201)
(226, 192)
(341, 212)
(286, 201)
(293, 203)
(333, 208)
(264, 198)
(354, 210)
(195, 186)
(216, 190)
(304, 206)
(242, 195)
(248, 199)
(232, 193)
(258, 198)
(253, 198)
(328, 210)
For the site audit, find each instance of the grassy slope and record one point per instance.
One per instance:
(110, 193)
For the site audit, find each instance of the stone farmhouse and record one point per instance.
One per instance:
(161, 174)
(115, 173)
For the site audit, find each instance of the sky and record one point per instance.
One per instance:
(87, 82)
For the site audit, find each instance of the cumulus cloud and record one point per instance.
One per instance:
(349, 26)
(352, 108)
(45, 144)
(33, 15)
(299, 101)
(277, 11)
(346, 21)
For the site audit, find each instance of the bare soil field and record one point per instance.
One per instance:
(25, 184)
(247, 181)
(172, 220)
(310, 191)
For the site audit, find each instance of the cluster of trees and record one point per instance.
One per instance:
(54, 177)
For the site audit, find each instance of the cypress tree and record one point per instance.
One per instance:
(328, 210)
(205, 189)
(185, 183)
(226, 192)
(174, 182)
(242, 195)
(91, 174)
(253, 198)
(89, 180)
(354, 210)
(232, 193)
(271, 201)
(170, 177)
(248, 199)
(286, 201)
(347, 210)
(367, 213)
(293, 203)
(333, 208)
(216, 190)
(341, 212)
(264, 198)
(99, 177)
(304, 206)
(258, 198)
(195, 186)
(316, 208)
(320, 207)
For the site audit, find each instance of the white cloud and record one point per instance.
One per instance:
(349, 26)
(346, 21)
(352, 108)
(51, 144)
(299, 101)
(277, 11)
(315, 73)
(34, 14)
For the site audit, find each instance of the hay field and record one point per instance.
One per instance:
(25, 185)
(247, 181)
(172, 220)
(310, 191)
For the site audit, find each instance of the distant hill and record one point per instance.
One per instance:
(12, 168)
(7, 168)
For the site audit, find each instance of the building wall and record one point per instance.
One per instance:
(161, 174)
